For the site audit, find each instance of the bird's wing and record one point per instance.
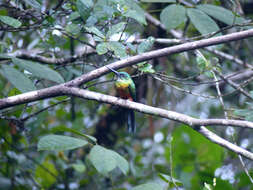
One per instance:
(132, 91)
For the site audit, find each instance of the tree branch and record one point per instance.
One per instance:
(34, 56)
(222, 142)
(31, 96)
(196, 124)
(160, 53)
(62, 90)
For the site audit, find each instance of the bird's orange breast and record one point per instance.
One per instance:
(124, 93)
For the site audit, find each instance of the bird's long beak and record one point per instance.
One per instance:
(116, 72)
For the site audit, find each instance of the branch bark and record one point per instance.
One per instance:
(196, 124)
(34, 56)
(62, 90)
(160, 53)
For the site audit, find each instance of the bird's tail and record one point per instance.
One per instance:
(130, 121)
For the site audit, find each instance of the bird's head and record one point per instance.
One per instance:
(120, 75)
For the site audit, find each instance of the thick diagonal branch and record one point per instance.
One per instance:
(196, 124)
(160, 53)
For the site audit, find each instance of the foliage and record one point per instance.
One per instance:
(70, 143)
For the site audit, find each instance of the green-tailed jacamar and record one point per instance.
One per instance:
(126, 89)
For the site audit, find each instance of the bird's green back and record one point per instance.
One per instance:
(125, 81)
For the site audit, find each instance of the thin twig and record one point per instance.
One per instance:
(220, 95)
(234, 85)
(183, 90)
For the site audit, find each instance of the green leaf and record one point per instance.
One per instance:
(146, 68)
(95, 31)
(146, 45)
(203, 23)
(170, 180)
(10, 21)
(17, 79)
(136, 15)
(84, 8)
(73, 29)
(148, 186)
(224, 15)
(121, 162)
(131, 48)
(60, 143)
(39, 70)
(49, 20)
(172, 16)
(102, 159)
(33, 3)
(159, 1)
(203, 63)
(74, 16)
(116, 29)
(46, 177)
(101, 48)
(79, 167)
(105, 160)
(135, 11)
(118, 48)
(73, 131)
(209, 74)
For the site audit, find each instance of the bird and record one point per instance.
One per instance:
(125, 88)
